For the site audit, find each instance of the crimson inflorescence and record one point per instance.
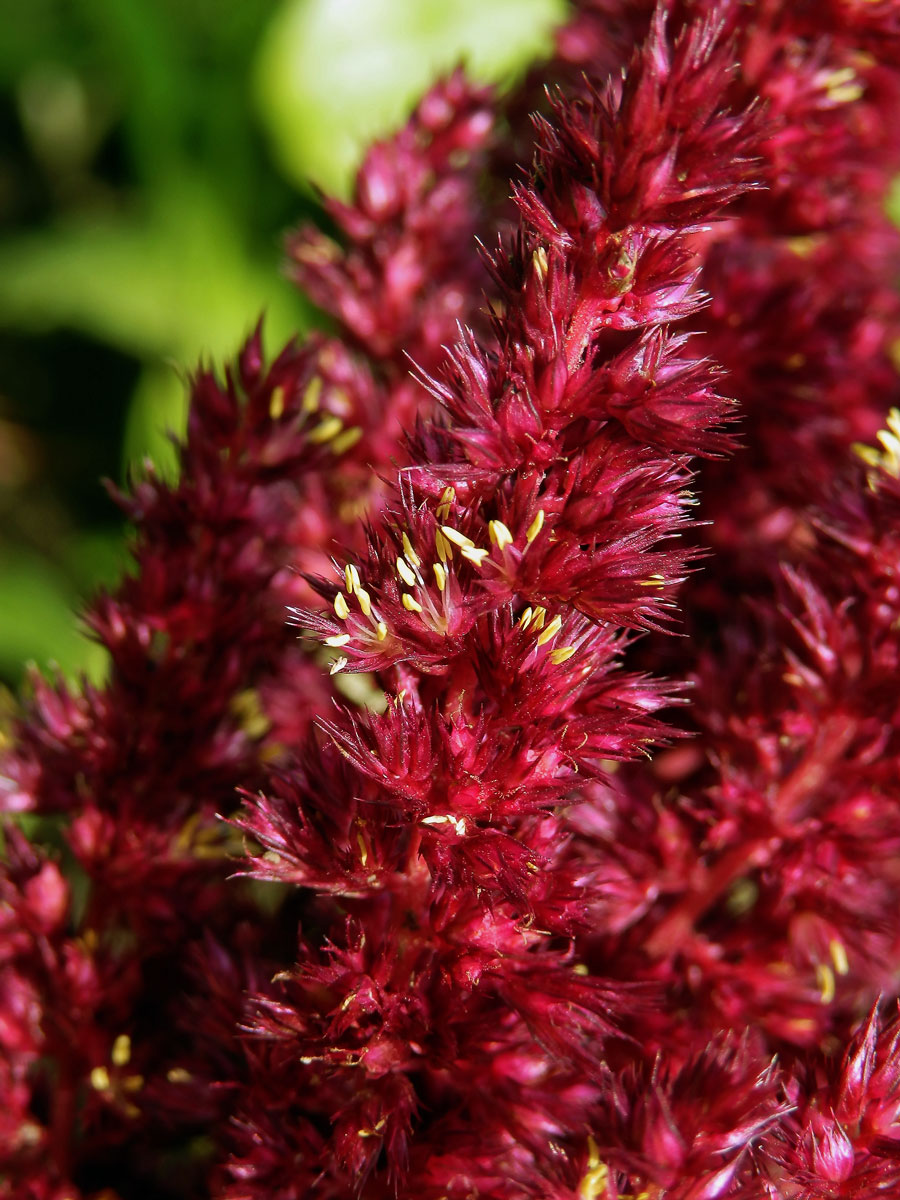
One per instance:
(558, 858)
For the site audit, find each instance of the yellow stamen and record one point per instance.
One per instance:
(99, 1079)
(889, 437)
(594, 1182)
(443, 547)
(405, 573)
(363, 849)
(499, 534)
(825, 980)
(474, 555)
(312, 394)
(328, 428)
(870, 456)
(535, 527)
(276, 403)
(888, 458)
(525, 618)
(440, 576)
(351, 578)
(448, 496)
(551, 631)
(365, 601)
(409, 552)
(842, 86)
(410, 603)
(347, 439)
(839, 956)
(453, 535)
(381, 631)
(537, 620)
(121, 1050)
(338, 639)
(539, 259)
(338, 665)
(561, 654)
(341, 608)
(846, 94)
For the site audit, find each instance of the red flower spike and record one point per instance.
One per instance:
(524, 970)
(453, 556)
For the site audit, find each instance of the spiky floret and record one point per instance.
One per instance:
(841, 1139)
(404, 268)
(538, 429)
(493, 592)
(784, 903)
(566, 512)
(784, 824)
(805, 313)
(203, 691)
(124, 783)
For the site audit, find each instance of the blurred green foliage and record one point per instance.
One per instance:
(333, 75)
(152, 152)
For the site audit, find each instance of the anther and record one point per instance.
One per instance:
(839, 956)
(409, 552)
(561, 654)
(447, 498)
(410, 603)
(328, 428)
(826, 982)
(499, 534)
(312, 394)
(474, 555)
(405, 573)
(338, 639)
(276, 403)
(443, 547)
(453, 535)
(440, 576)
(121, 1050)
(551, 631)
(344, 441)
(341, 607)
(535, 527)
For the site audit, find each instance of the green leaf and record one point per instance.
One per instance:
(174, 281)
(94, 558)
(38, 621)
(893, 200)
(158, 410)
(332, 75)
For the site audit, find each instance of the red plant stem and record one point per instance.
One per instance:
(676, 928)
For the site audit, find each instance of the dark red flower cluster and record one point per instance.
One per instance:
(494, 924)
